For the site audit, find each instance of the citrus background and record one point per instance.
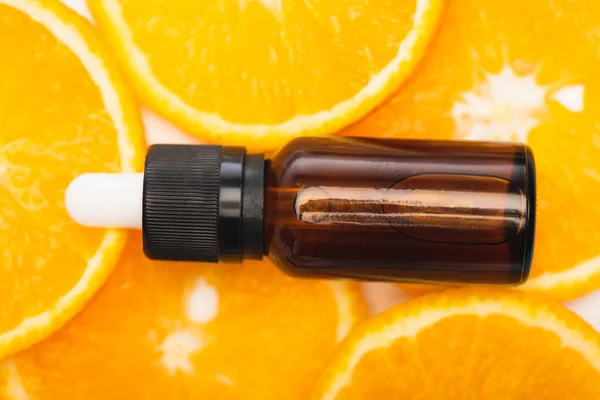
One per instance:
(74, 327)
(379, 296)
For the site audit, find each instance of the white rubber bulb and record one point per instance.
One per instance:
(106, 200)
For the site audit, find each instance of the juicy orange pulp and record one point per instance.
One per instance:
(63, 111)
(172, 330)
(236, 71)
(467, 344)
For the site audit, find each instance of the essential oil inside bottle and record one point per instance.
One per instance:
(402, 209)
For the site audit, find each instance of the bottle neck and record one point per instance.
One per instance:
(241, 205)
(253, 207)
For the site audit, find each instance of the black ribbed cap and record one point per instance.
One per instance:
(202, 203)
(181, 203)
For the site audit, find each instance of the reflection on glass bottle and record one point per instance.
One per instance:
(442, 208)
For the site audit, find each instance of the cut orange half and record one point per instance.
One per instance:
(64, 110)
(493, 74)
(467, 344)
(259, 72)
(161, 330)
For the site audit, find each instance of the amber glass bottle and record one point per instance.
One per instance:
(374, 209)
(402, 209)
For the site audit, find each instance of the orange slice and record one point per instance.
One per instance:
(181, 330)
(244, 70)
(492, 74)
(64, 110)
(467, 344)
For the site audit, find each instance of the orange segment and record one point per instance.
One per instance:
(170, 330)
(493, 74)
(63, 111)
(234, 71)
(467, 344)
